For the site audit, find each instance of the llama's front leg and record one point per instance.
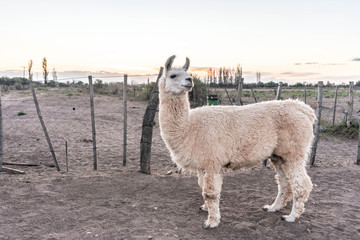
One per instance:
(211, 193)
(200, 174)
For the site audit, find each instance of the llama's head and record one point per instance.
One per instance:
(176, 80)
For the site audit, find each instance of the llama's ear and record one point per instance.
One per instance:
(169, 62)
(187, 64)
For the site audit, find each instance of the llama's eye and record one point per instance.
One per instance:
(173, 76)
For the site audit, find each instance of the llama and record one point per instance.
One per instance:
(210, 139)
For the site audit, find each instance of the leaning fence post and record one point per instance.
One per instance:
(40, 117)
(350, 103)
(93, 121)
(335, 103)
(1, 135)
(317, 123)
(125, 118)
(147, 128)
(227, 93)
(278, 93)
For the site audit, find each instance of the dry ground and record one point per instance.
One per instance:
(118, 202)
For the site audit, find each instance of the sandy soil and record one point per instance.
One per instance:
(118, 202)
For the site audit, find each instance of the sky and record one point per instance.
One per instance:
(289, 41)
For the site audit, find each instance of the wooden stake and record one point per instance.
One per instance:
(125, 118)
(239, 91)
(335, 103)
(350, 104)
(21, 164)
(278, 93)
(358, 152)
(228, 96)
(253, 94)
(66, 157)
(43, 123)
(317, 123)
(147, 128)
(1, 135)
(93, 121)
(12, 170)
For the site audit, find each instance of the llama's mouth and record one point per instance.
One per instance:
(187, 86)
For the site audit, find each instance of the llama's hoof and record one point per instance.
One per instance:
(288, 218)
(268, 208)
(203, 208)
(208, 225)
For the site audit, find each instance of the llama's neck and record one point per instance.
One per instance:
(173, 115)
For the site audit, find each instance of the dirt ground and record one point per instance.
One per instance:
(118, 202)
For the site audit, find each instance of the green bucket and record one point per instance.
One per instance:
(213, 100)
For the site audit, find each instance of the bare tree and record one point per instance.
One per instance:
(45, 70)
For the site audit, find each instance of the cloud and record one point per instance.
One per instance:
(298, 74)
(324, 64)
(356, 59)
(199, 69)
(333, 64)
(307, 63)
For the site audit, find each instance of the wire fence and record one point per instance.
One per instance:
(68, 119)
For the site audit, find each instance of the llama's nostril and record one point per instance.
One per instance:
(188, 79)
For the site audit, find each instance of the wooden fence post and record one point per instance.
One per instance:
(335, 103)
(358, 153)
(66, 157)
(125, 118)
(350, 104)
(43, 123)
(1, 135)
(278, 93)
(147, 127)
(253, 94)
(93, 121)
(317, 123)
(305, 92)
(227, 93)
(239, 91)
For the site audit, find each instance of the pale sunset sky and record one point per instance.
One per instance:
(291, 41)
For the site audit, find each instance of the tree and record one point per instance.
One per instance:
(45, 70)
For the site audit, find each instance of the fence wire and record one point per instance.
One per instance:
(67, 118)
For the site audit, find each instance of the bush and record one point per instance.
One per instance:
(198, 93)
(18, 86)
(99, 86)
(340, 129)
(51, 83)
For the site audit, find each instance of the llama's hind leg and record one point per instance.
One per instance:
(301, 187)
(211, 193)
(284, 189)
(200, 174)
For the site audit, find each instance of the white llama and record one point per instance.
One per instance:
(209, 139)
